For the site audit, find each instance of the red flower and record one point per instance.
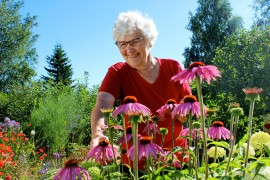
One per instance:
(2, 163)
(41, 150)
(8, 177)
(5, 139)
(42, 157)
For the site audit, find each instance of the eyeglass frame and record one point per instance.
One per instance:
(129, 42)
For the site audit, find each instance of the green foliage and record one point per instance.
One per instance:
(17, 54)
(262, 13)
(244, 62)
(59, 70)
(53, 120)
(211, 24)
(19, 102)
(94, 172)
(63, 117)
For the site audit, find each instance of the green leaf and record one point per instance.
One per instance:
(267, 149)
(253, 165)
(220, 144)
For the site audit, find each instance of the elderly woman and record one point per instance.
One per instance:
(143, 76)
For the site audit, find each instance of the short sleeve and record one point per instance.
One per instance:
(112, 82)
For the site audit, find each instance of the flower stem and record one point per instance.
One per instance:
(231, 132)
(125, 135)
(235, 128)
(200, 97)
(196, 154)
(172, 136)
(189, 141)
(111, 140)
(155, 132)
(135, 144)
(251, 109)
(232, 140)
(215, 156)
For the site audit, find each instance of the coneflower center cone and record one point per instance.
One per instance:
(103, 142)
(171, 101)
(196, 64)
(218, 124)
(146, 139)
(190, 99)
(71, 163)
(130, 99)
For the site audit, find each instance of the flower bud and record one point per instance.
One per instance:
(237, 111)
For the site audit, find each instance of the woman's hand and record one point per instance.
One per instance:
(95, 140)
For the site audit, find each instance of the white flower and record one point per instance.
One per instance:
(243, 149)
(220, 152)
(33, 132)
(259, 139)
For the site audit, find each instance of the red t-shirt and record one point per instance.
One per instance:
(122, 80)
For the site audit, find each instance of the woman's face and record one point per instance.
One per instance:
(137, 50)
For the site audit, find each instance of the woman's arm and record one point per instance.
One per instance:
(104, 100)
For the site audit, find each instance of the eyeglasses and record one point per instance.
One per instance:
(134, 43)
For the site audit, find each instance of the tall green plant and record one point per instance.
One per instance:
(55, 118)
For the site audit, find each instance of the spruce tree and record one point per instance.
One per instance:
(59, 67)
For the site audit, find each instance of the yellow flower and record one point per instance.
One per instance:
(220, 152)
(259, 139)
(243, 149)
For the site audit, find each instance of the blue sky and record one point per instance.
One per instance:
(84, 28)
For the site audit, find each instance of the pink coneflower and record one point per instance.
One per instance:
(194, 131)
(167, 108)
(146, 147)
(190, 103)
(103, 152)
(71, 171)
(218, 131)
(121, 140)
(253, 93)
(131, 106)
(254, 90)
(197, 69)
(151, 126)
